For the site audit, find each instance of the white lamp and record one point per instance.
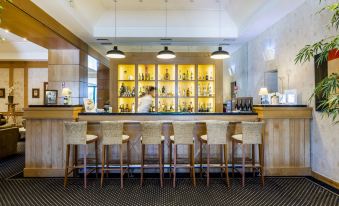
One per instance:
(263, 92)
(67, 92)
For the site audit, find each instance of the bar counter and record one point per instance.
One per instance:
(286, 139)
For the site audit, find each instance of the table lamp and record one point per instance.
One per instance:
(67, 92)
(263, 92)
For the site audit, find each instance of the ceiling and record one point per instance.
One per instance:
(13, 47)
(193, 25)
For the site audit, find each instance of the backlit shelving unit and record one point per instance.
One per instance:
(180, 87)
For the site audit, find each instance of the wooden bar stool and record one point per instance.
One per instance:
(183, 135)
(112, 134)
(251, 135)
(216, 135)
(75, 133)
(151, 135)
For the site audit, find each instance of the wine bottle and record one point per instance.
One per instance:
(188, 92)
(167, 75)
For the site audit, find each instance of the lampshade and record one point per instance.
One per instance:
(166, 54)
(115, 53)
(220, 54)
(263, 91)
(66, 92)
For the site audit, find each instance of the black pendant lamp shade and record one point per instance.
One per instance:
(115, 53)
(220, 54)
(166, 54)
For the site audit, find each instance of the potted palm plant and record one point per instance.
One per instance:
(328, 88)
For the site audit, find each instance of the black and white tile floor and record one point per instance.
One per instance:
(50, 191)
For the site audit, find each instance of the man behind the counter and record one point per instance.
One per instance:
(146, 100)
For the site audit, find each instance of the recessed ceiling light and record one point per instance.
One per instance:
(6, 30)
(3, 39)
(24, 39)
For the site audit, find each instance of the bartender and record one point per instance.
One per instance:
(146, 100)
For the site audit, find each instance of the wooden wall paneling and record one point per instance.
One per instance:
(26, 92)
(28, 144)
(307, 143)
(292, 142)
(46, 143)
(37, 136)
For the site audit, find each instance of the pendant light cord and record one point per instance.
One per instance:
(219, 20)
(166, 19)
(115, 21)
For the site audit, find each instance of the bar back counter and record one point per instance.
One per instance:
(286, 136)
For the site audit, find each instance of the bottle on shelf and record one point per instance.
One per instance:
(167, 76)
(206, 78)
(133, 107)
(146, 74)
(163, 91)
(209, 89)
(187, 75)
(210, 76)
(199, 89)
(142, 77)
(191, 75)
(122, 90)
(188, 93)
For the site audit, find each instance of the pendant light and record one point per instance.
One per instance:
(220, 54)
(166, 53)
(115, 53)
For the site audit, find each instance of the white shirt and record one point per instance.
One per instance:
(145, 104)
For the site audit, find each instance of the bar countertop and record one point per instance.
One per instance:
(168, 113)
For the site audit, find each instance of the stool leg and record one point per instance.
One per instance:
(208, 164)
(200, 158)
(226, 165)
(221, 161)
(85, 166)
(142, 164)
(75, 160)
(175, 164)
(253, 160)
(233, 152)
(103, 160)
(243, 165)
(121, 168)
(193, 166)
(66, 164)
(96, 159)
(170, 158)
(261, 161)
(160, 164)
(107, 159)
(163, 158)
(190, 159)
(128, 159)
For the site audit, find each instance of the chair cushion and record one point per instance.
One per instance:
(204, 137)
(91, 137)
(237, 137)
(171, 138)
(125, 137)
(162, 138)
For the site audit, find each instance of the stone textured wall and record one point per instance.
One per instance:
(36, 79)
(4, 83)
(287, 37)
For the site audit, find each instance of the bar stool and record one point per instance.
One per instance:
(75, 134)
(251, 135)
(112, 134)
(151, 135)
(216, 135)
(183, 135)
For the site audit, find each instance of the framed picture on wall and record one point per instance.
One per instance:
(35, 93)
(51, 96)
(2, 92)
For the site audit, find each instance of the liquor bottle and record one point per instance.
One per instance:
(199, 90)
(191, 75)
(191, 107)
(139, 76)
(180, 76)
(146, 74)
(122, 90)
(167, 75)
(187, 75)
(204, 91)
(200, 77)
(188, 92)
(210, 77)
(183, 76)
(163, 90)
(206, 76)
(209, 89)
(133, 107)
(171, 108)
(133, 92)
(126, 108)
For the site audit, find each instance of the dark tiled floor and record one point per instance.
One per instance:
(50, 191)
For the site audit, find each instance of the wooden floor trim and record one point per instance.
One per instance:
(325, 180)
